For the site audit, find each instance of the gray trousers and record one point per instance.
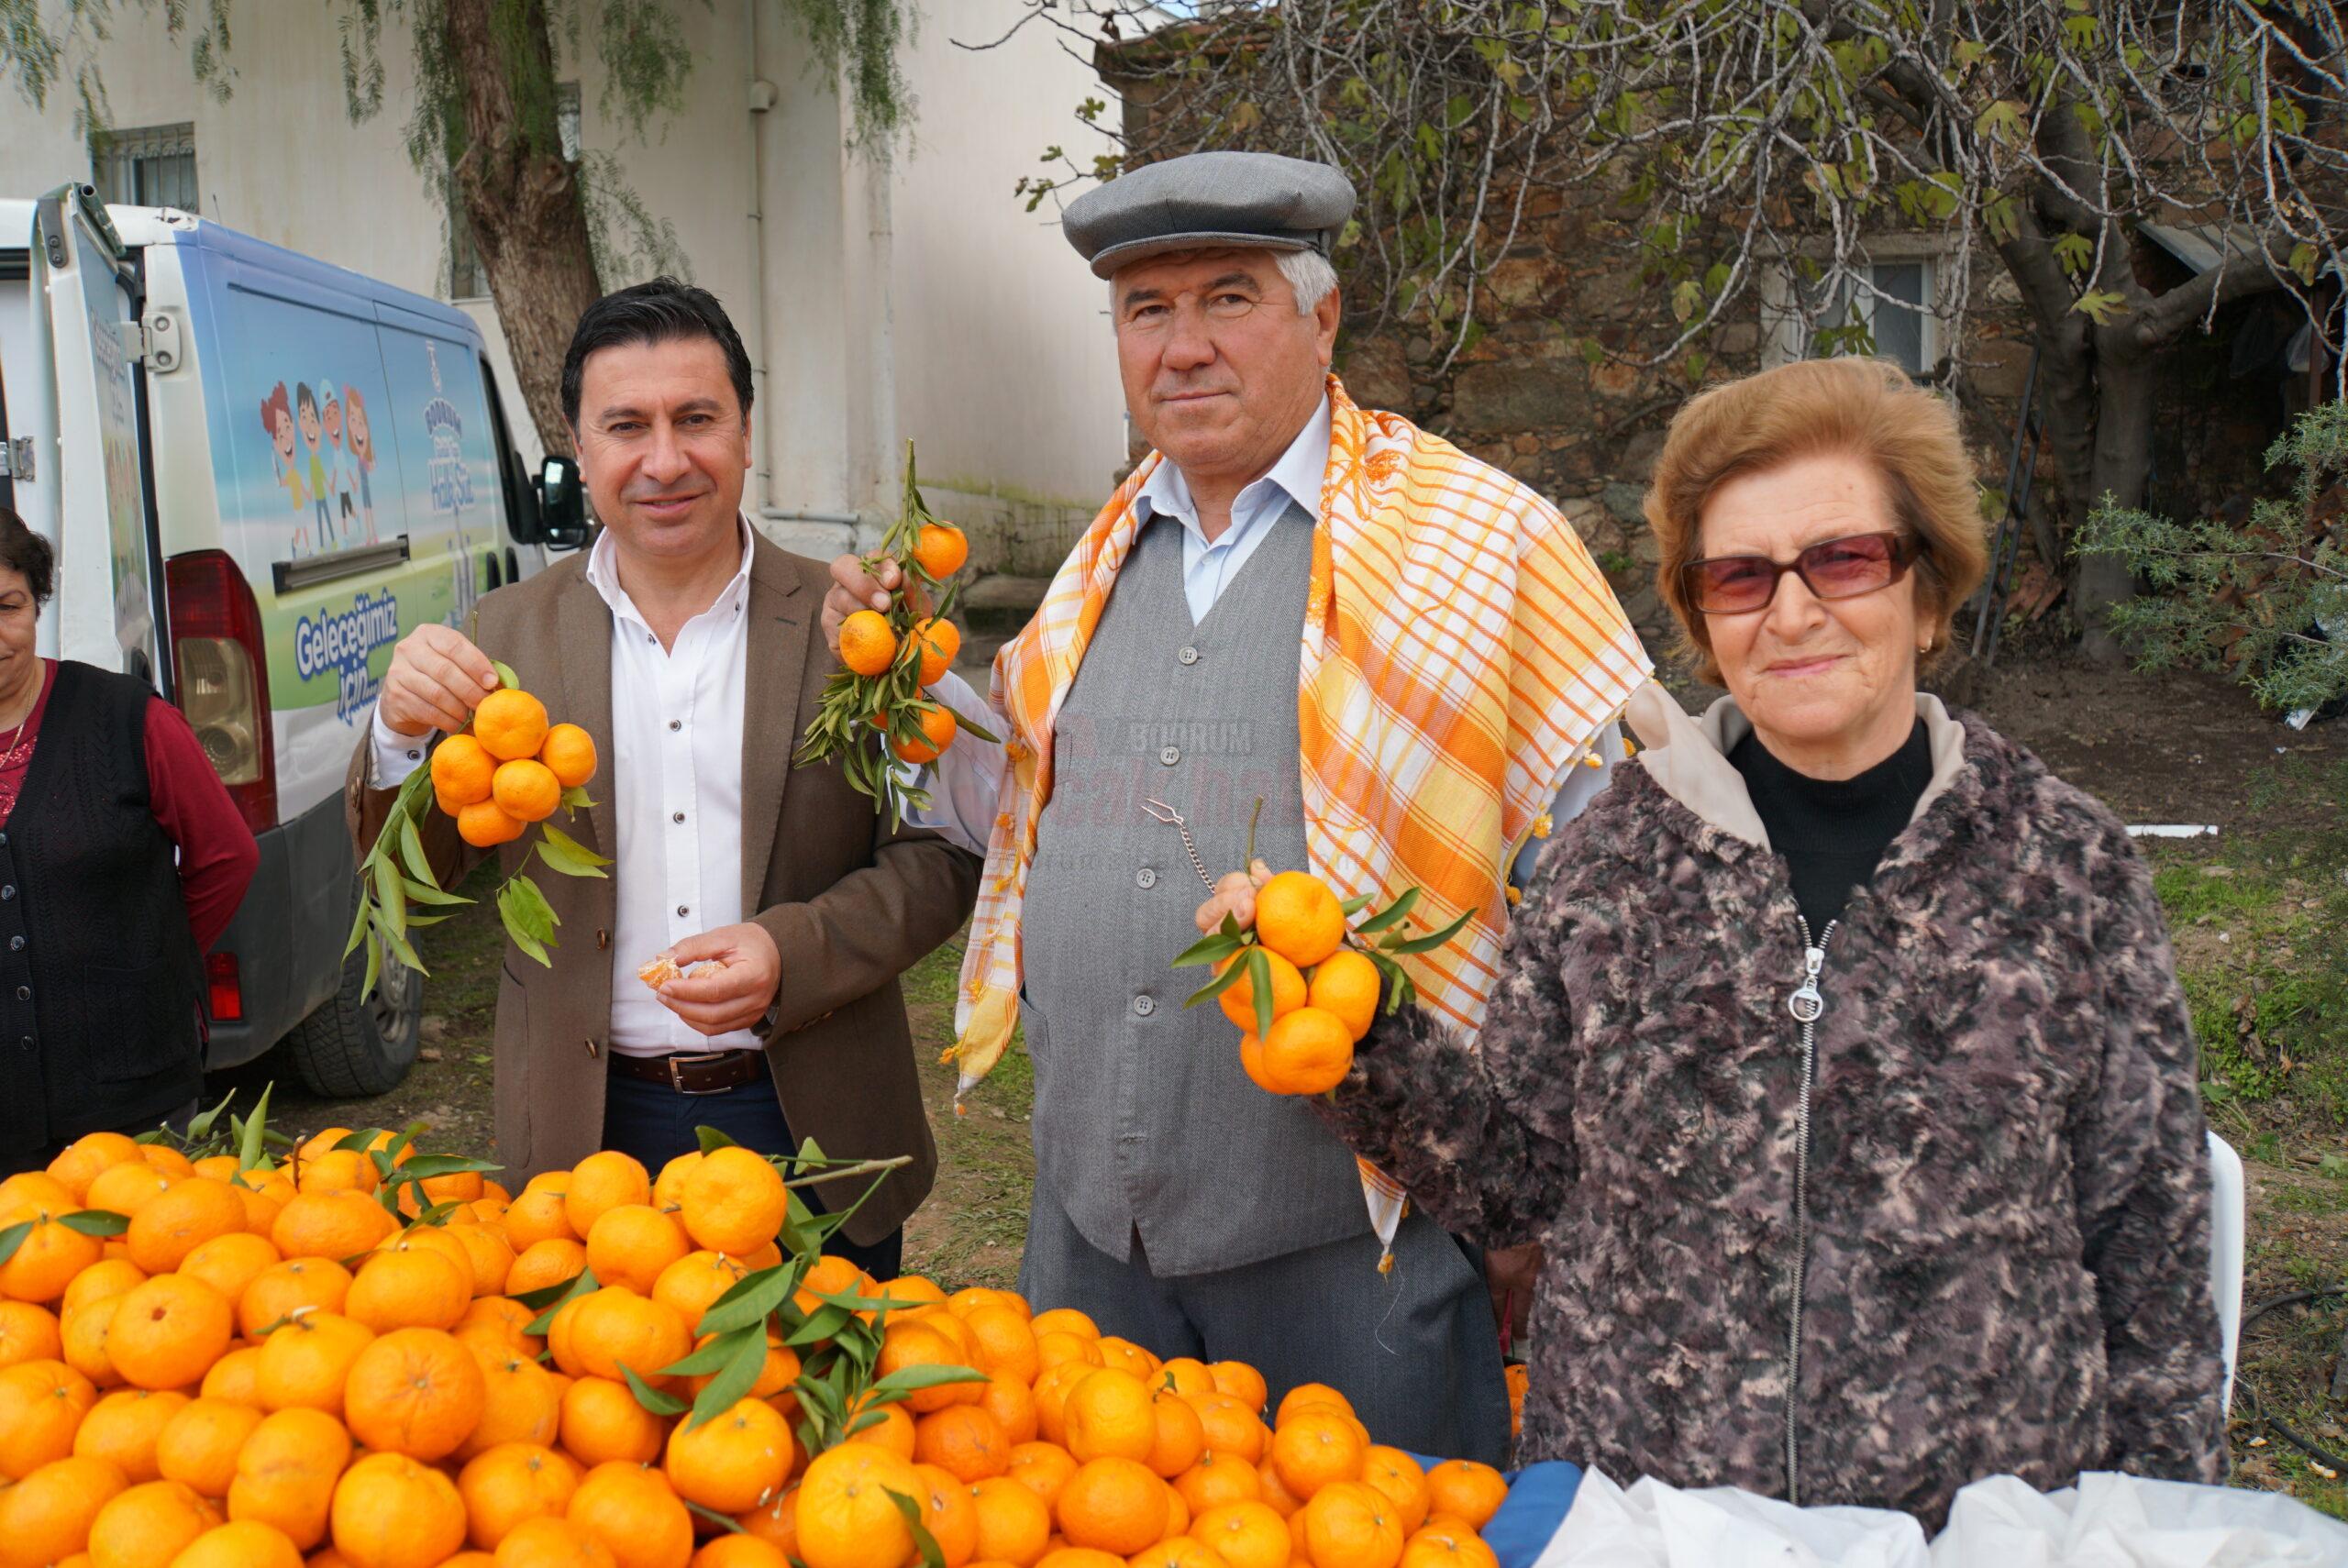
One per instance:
(1414, 1350)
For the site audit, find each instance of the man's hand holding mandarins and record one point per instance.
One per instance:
(854, 588)
(436, 681)
(1234, 895)
(736, 996)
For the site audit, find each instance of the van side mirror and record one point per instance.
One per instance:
(562, 504)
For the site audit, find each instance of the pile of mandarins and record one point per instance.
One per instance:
(268, 1367)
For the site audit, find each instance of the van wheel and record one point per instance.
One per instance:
(351, 1048)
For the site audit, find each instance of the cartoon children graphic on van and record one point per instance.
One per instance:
(338, 465)
(361, 441)
(277, 418)
(306, 404)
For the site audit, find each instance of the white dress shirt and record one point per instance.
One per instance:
(673, 786)
(964, 782)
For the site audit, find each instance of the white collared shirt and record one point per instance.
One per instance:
(1209, 568)
(673, 786)
(965, 783)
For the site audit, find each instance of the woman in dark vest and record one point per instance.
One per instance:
(121, 858)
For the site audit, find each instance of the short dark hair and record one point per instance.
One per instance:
(656, 311)
(22, 550)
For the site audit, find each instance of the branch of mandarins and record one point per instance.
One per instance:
(397, 873)
(879, 723)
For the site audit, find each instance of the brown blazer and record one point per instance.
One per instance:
(850, 905)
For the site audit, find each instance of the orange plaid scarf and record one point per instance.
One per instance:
(1461, 652)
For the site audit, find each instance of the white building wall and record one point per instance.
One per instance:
(999, 364)
(1032, 416)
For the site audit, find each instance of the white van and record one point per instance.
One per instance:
(259, 472)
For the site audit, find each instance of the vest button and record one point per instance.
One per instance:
(1144, 1005)
(26, 1043)
(10, 890)
(1169, 756)
(23, 993)
(1145, 878)
(15, 945)
(1189, 655)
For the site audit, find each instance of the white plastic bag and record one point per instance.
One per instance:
(1656, 1526)
(2111, 1520)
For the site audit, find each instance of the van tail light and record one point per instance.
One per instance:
(226, 987)
(222, 669)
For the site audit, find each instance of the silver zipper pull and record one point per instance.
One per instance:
(1808, 1002)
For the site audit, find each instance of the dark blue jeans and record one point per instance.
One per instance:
(655, 1124)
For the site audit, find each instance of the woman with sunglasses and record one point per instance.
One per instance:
(1838, 1059)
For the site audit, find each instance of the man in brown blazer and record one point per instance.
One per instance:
(691, 650)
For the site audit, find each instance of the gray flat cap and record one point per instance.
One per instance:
(1208, 199)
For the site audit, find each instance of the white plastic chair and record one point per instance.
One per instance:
(2226, 1225)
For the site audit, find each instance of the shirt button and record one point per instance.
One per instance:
(675, 724)
(1169, 756)
(1145, 878)
(683, 910)
(416, 757)
(1145, 1005)
(677, 816)
(1189, 655)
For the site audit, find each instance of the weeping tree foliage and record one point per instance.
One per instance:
(551, 228)
(2267, 599)
(1746, 155)
(50, 44)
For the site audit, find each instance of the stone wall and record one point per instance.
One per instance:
(1525, 399)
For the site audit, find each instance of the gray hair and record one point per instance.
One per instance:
(1311, 278)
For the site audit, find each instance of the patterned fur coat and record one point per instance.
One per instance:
(2007, 1193)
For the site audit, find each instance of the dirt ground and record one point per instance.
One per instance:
(2166, 749)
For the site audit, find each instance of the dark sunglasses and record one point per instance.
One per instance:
(1835, 568)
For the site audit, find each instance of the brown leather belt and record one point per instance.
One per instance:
(697, 1072)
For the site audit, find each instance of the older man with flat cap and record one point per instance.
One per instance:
(1402, 654)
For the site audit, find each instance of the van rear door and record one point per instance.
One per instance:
(109, 580)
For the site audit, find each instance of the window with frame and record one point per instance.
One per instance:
(152, 166)
(1888, 308)
(468, 277)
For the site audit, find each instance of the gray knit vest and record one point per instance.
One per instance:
(1144, 1121)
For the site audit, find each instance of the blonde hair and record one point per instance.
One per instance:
(1865, 408)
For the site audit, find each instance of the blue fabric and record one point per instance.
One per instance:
(1538, 1497)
